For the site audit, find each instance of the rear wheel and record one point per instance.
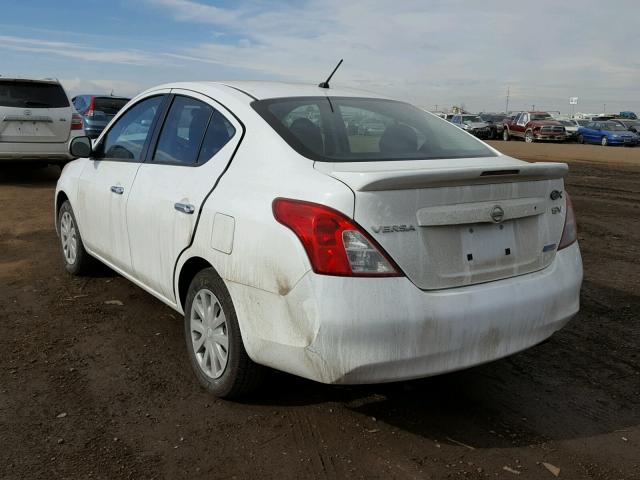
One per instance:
(581, 139)
(604, 142)
(528, 136)
(76, 259)
(505, 135)
(214, 342)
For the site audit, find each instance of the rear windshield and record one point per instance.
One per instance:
(32, 95)
(108, 105)
(344, 129)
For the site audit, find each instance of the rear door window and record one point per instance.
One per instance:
(23, 94)
(183, 131)
(219, 132)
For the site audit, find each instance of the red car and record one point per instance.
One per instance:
(533, 127)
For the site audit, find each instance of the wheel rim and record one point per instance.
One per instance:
(209, 334)
(505, 135)
(604, 141)
(69, 238)
(528, 137)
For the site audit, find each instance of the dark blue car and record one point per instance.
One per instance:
(97, 111)
(606, 133)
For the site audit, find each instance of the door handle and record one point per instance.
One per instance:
(117, 190)
(184, 208)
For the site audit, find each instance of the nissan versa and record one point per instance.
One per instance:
(293, 237)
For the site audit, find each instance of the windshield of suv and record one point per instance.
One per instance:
(567, 123)
(471, 118)
(541, 116)
(109, 105)
(350, 129)
(25, 94)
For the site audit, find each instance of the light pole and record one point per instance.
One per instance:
(506, 107)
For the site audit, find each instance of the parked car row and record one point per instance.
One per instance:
(538, 126)
(37, 119)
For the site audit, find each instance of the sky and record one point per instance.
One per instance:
(433, 53)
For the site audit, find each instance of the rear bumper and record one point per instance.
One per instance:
(49, 152)
(365, 330)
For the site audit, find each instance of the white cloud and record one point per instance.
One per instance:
(431, 52)
(441, 52)
(76, 51)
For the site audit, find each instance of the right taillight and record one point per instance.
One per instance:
(334, 243)
(570, 232)
(76, 122)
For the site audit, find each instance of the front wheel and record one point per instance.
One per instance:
(604, 142)
(505, 135)
(214, 342)
(528, 136)
(76, 259)
(581, 139)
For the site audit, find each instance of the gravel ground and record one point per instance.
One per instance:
(96, 390)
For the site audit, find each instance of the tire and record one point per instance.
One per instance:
(505, 135)
(214, 342)
(76, 259)
(528, 136)
(581, 139)
(604, 141)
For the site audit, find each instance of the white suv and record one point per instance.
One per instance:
(37, 121)
(292, 237)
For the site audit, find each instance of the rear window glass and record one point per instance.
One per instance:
(32, 95)
(108, 105)
(342, 129)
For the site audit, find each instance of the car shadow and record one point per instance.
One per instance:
(28, 174)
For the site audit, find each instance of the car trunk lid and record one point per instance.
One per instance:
(451, 223)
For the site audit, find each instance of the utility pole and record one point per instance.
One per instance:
(604, 108)
(506, 107)
(533, 108)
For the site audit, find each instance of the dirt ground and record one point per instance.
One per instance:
(95, 390)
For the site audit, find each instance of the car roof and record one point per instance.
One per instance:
(52, 81)
(261, 90)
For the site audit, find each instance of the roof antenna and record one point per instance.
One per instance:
(325, 84)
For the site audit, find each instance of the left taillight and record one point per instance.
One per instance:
(334, 243)
(76, 122)
(570, 232)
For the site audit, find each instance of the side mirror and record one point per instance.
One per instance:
(80, 147)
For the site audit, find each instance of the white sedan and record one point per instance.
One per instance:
(289, 238)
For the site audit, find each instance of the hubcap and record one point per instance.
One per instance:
(529, 138)
(68, 238)
(209, 334)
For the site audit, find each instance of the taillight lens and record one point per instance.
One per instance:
(76, 122)
(570, 232)
(335, 244)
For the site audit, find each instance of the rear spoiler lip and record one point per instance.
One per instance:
(440, 176)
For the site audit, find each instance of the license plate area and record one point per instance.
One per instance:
(486, 244)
